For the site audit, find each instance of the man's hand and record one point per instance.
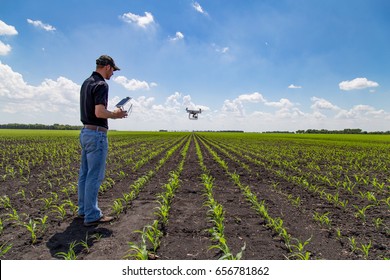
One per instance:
(119, 113)
(103, 113)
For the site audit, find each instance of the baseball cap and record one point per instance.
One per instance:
(106, 60)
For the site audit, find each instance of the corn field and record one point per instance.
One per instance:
(202, 195)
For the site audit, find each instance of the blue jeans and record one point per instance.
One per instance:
(94, 148)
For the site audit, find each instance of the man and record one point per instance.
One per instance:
(93, 139)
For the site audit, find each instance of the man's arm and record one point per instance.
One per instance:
(102, 113)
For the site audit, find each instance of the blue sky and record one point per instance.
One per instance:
(254, 65)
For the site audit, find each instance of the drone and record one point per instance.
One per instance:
(193, 114)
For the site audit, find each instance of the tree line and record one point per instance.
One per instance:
(343, 131)
(55, 126)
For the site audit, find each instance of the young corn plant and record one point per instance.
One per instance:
(32, 228)
(226, 253)
(298, 249)
(378, 222)
(14, 216)
(118, 206)
(87, 242)
(4, 248)
(339, 235)
(163, 212)
(322, 219)
(138, 252)
(153, 234)
(73, 207)
(365, 249)
(85, 245)
(5, 202)
(361, 213)
(71, 254)
(352, 244)
(43, 224)
(343, 203)
(300, 256)
(60, 211)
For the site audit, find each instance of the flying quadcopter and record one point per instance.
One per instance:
(193, 114)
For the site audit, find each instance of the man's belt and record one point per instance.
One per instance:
(95, 127)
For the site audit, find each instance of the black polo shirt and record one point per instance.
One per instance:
(94, 91)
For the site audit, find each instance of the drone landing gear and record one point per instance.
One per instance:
(193, 116)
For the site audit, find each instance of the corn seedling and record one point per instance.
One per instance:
(296, 202)
(343, 203)
(4, 248)
(300, 256)
(338, 234)
(6, 202)
(300, 246)
(118, 206)
(163, 212)
(60, 211)
(85, 243)
(378, 222)
(14, 216)
(128, 197)
(73, 207)
(153, 234)
(322, 219)
(352, 243)
(226, 253)
(22, 193)
(32, 228)
(361, 213)
(365, 249)
(71, 254)
(43, 223)
(121, 174)
(96, 237)
(48, 202)
(140, 252)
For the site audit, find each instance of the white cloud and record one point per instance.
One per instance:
(4, 48)
(198, 8)
(362, 112)
(178, 36)
(237, 105)
(142, 21)
(358, 83)
(60, 96)
(219, 49)
(254, 97)
(6, 29)
(322, 104)
(282, 103)
(133, 84)
(294, 86)
(173, 101)
(39, 24)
